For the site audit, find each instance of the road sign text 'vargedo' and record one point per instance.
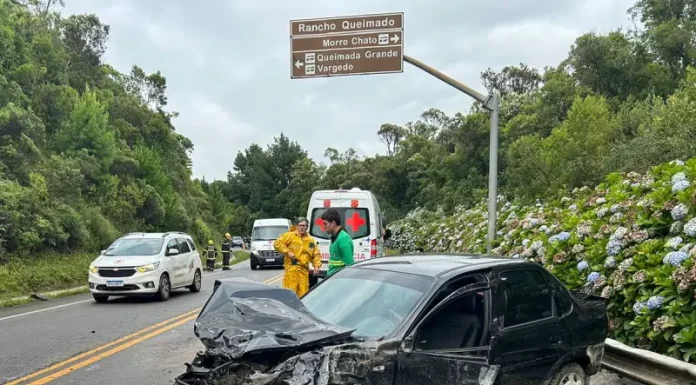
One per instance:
(347, 45)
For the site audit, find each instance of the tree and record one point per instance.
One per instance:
(511, 79)
(391, 135)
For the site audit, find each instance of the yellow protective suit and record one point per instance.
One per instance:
(306, 250)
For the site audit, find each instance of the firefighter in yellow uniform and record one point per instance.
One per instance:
(299, 249)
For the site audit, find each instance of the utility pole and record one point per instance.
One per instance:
(492, 104)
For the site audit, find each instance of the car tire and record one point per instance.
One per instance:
(253, 265)
(569, 374)
(165, 288)
(100, 298)
(196, 285)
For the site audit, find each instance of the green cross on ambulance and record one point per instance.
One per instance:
(361, 218)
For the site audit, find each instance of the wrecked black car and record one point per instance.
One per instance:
(405, 320)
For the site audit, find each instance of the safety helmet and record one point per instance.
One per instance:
(210, 241)
(227, 235)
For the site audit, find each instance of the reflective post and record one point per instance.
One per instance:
(491, 103)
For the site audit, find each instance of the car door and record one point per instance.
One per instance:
(172, 261)
(185, 262)
(532, 338)
(450, 345)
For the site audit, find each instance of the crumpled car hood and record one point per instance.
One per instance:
(243, 317)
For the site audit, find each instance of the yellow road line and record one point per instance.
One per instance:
(100, 348)
(51, 368)
(110, 352)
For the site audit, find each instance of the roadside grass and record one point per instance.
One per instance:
(21, 277)
(390, 252)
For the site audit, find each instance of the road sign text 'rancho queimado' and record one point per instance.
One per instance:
(347, 45)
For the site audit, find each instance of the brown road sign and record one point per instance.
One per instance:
(347, 24)
(353, 40)
(348, 45)
(354, 61)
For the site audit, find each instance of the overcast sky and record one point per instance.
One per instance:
(227, 64)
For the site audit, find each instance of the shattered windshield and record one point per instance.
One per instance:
(373, 302)
(135, 247)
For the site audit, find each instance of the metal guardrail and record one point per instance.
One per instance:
(645, 366)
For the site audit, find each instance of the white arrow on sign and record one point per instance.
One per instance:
(395, 39)
(298, 64)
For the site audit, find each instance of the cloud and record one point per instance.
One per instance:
(228, 69)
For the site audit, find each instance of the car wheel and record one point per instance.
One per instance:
(570, 374)
(196, 285)
(165, 288)
(253, 265)
(100, 298)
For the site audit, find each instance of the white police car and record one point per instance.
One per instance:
(146, 264)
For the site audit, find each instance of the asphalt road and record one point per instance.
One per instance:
(77, 341)
(39, 335)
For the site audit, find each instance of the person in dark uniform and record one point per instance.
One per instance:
(210, 255)
(226, 250)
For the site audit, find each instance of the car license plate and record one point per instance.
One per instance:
(114, 283)
(270, 260)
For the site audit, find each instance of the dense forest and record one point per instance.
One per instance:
(88, 153)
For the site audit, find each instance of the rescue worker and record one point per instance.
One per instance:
(211, 255)
(299, 249)
(341, 249)
(226, 249)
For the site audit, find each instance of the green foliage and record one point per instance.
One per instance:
(86, 153)
(631, 239)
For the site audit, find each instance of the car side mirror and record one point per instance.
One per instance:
(172, 251)
(103, 252)
(407, 344)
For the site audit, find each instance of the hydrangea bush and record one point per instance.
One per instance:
(630, 239)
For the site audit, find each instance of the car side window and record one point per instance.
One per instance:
(457, 325)
(527, 297)
(191, 244)
(183, 246)
(562, 301)
(172, 244)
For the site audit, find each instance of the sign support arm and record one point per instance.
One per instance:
(492, 104)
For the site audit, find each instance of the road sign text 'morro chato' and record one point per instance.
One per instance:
(353, 45)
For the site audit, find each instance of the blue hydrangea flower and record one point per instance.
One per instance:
(583, 266)
(610, 262)
(562, 236)
(680, 186)
(690, 228)
(573, 207)
(673, 243)
(639, 306)
(675, 258)
(655, 302)
(614, 246)
(678, 177)
(594, 276)
(679, 212)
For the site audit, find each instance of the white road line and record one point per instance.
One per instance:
(42, 310)
(74, 303)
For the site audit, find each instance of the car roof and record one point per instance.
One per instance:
(437, 265)
(155, 235)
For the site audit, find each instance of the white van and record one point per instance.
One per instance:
(263, 235)
(361, 217)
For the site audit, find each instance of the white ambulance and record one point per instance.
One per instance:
(361, 217)
(262, 252)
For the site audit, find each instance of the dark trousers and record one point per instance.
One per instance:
(225, 260)
(210, 264)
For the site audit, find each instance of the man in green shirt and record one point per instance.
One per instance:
(341, 249)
